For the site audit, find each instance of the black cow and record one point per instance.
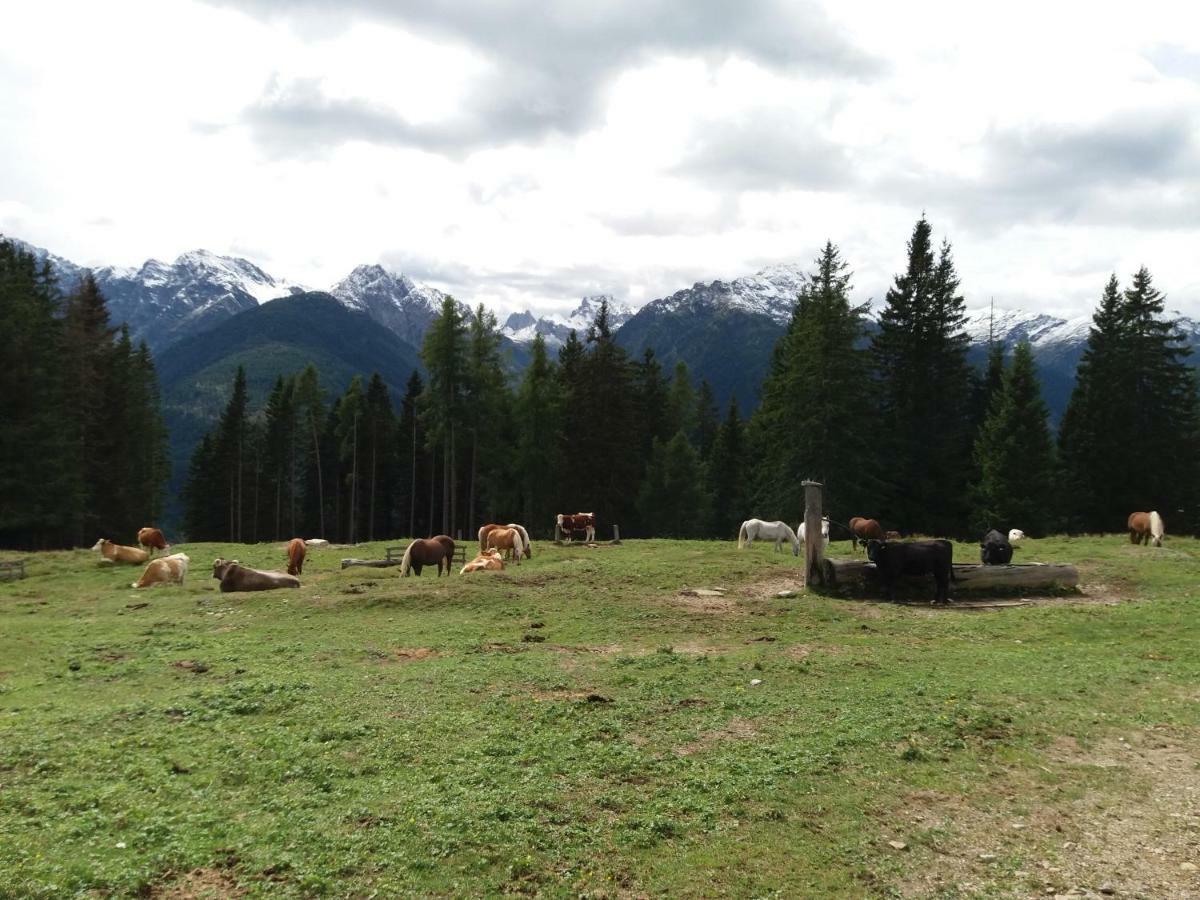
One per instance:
(934, 558)
(995, 549)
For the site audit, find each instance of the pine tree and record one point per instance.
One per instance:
(351, 415)
(708, 419)
(380, 456)
(672, 502)
(445, 354)
(922, 388)
(486, 396)
(538, 414)
(412, 463)
(1014, 454)
(310, 410)
(727, 476)
(233, 460)
(815, 419)
(681, 402)
(279, 447)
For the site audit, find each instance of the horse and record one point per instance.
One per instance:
(152, 539)
(757, 530)
(800, 532)
(164, 570)
(863, 530)
(236, 577)
(486, 561)
(484, 531)
(116, 553)
(427, 552)
(1147, 528)
(585, 522)
(508, 541)
(296, 551)
(525, 538)
(1015, 534)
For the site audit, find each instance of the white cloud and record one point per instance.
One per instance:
(523, 157)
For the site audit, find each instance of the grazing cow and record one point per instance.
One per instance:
(934, 558)
(296, 550)
(507, 541)
(1015, 534)
(117, 553)
(995, 549)
(423, 552)
(1146, 528)
(863, 530)
(486, 561)
(236, 577)
(164, 570)
(152, 539)
(585, 522)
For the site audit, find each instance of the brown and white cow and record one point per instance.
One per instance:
(296, 550)
(236, 577)
(486, 561)
(164, 570)
(152, 539)
(118, 553)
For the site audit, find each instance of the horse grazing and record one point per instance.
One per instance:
(422, 552)
(585, 522)
(164, 570)
(757, 530)
(152, 539)
(486, 561)
(800, 532)
(863, 530)
(484, 531)
(1146, 528)
(525, 538)
(508, 541)
(236, 577)
(116, 553)
(296, 551)
(934, 558)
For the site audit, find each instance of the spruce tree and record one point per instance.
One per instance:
(310, 411)
(412, 463)
(538, 414)
(681, 402)
(672, 502)
(486, 398)
(708, 419)
(233, 458)
(381, 458)
(1014, 455)
(922, 391)
(815, 418)
(348, 429)
(445, 355)
(726, 473)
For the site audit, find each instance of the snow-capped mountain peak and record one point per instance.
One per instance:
(555, 327)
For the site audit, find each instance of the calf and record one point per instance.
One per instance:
(995, 549)
(116, 553)
(236, 577)
(164, 570)
(934, 558)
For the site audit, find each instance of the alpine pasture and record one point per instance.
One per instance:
(644, 719)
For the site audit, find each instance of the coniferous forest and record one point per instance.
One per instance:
(896, 423)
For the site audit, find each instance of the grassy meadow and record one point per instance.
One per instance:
(581, 725)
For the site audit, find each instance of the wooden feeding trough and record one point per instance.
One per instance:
(859, 576)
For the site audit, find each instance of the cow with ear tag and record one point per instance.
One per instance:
(995, 549)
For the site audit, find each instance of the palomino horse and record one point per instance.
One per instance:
(800, 532)
(116, 553)
(1146, 528)
(863, 530)
(296, 551)
(757, 530)
(486, 561)
(422, 552)
(507, 541)
(152, 539)
(164, 570)
(489, 528)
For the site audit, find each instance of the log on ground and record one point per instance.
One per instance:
(373, 563)
(857, 576)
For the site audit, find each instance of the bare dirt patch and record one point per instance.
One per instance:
(412, 654)
(736, 729)
(1121, 818)
(694, 601)
(199, 884)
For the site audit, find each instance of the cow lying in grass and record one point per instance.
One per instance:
(236, 577)
(117, 553)
(995, 549)
(934, 558)
(164, 570)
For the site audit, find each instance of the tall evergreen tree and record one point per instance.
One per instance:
(351, 420)
(923, 390)
(1014, 454)
(815, 419)
(412, 463)
(380, 456)
(233, 460)
(486, 396)
(310, 411)
(538, 417)
(708, 419)
(672, 501)
(727, 467)
(681, 402)
(445, 354)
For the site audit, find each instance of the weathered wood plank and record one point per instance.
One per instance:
(371, 563)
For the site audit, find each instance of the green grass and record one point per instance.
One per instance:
(369, 733)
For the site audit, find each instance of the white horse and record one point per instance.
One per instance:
(1157, 529)
(1015, 534)
(757, 530)
(824, 532)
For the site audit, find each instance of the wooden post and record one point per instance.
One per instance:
(814, 546)
(616, 534)
(557, 533)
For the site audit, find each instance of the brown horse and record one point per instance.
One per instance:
(421, 552)
(508, 541)
(296, 550)
(864, 530)
(1146, 527)
(484, 532)
(152, 539)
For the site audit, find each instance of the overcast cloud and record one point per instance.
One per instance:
(524, 154)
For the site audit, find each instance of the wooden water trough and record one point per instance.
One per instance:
(859, 576)
(395, 555)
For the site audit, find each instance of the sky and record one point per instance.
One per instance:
(524, 154)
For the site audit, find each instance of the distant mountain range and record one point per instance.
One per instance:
(724, 330)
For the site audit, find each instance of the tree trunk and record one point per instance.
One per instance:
(239, 490)
(320, 478)
(446, 486)
(453, 484)
(354, 481)
(374, 468)
(432, 482)
(474, 469)
(412, 493)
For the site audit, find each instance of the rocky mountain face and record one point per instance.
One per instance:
(394, 301)
(554, 328)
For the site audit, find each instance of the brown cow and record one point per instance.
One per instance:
(117, 553)
(164, 570)
(488, 560)
(296, 550)
(236, 577)
(152, 539)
